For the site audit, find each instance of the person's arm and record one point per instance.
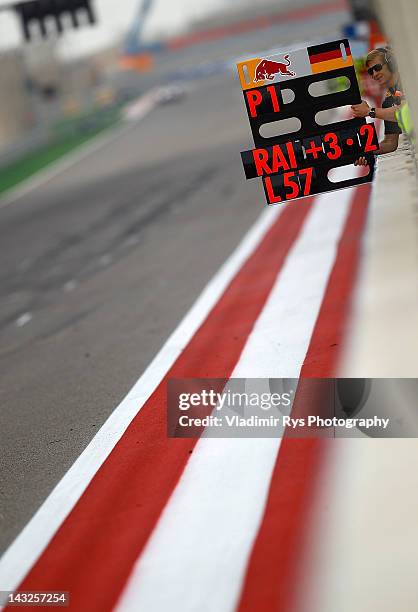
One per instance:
(363, 110)
(388, 145)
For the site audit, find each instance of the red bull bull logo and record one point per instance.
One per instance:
(267, 69)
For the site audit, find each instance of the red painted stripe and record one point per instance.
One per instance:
(328, 55)
(95, 549)
(301, 14)
(325, 346)
(274, 571)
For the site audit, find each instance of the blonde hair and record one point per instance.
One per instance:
(374, 54)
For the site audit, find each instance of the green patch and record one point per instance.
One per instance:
(65, 137)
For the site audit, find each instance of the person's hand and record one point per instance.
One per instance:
(361, 110)
(361, 161)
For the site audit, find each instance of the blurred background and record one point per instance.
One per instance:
(60, 89)
(58, 86)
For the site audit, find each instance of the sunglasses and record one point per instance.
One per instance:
(377, 67)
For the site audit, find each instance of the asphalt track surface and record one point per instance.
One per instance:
(107, 257)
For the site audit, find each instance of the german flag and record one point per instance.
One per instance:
(330, 56)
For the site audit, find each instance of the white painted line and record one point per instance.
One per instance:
(70, 285)
(24, 319)
(57, 168)
(29, 545)
(105, 259)
(139, 108)
(277, 345)
(223, 489)
(199, 549)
